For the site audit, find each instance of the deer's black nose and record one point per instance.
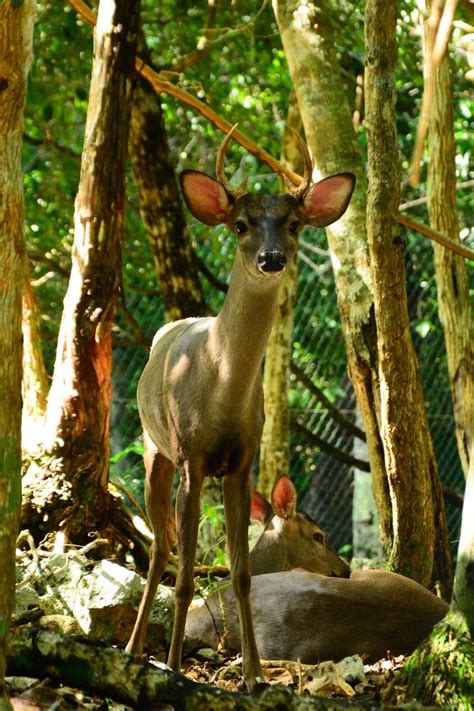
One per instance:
(271, 260)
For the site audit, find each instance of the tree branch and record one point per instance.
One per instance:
(204, 45)
(48, 141)
(324, 446)
(50, 262)
(435, 236)
(161, 85)
(210, 276)
(424, 198)
(440, 22)
(335, 414)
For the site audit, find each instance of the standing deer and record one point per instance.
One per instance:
(200, 395)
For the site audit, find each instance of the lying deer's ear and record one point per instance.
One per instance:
(326, 201)
(205, 197)
(260, 509)
(284, 498)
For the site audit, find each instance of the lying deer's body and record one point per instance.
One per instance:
(200, 396)
(316, 618)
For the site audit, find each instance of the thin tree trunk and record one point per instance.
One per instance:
(161, 210)
(463, 593)
(308, 41)
(418, 511)
(68, 486)
(35, 378)
(16, 49)
(275, 443)
(454, 303)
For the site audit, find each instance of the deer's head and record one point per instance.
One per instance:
(267, 226)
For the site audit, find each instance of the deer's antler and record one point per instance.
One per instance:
(299, 190)
(230, 189)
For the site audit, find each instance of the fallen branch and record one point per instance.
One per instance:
(109, 672)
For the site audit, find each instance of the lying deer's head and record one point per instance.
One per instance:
(267, 226)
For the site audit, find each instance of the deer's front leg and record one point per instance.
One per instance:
(187, 523)
(237, 495)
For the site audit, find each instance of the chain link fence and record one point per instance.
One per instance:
(327, 485)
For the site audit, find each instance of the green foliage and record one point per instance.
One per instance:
(214, 517)
(245, 78)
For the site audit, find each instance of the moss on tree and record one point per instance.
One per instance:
(441, 671)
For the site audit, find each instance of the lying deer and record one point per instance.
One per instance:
(299, 615)
(290, 539)
(200, 396)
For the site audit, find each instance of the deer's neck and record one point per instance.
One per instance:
(269, 554)
(241, 330)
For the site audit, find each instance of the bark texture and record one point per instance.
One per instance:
(275, 443)
(161, 209)
(308, 41)
(454, 302)
(462, 601)
(417, 504)
(67, 487)
(16, 47)
(455, 309)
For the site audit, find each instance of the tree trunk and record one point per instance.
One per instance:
(308, 41)
(310, 50)
(275, 443)
(463, 593)
(440, 672)
(161, 209)
(454, 303)
(415, 490)
(16, 49)
(35, 377)
(67, 487)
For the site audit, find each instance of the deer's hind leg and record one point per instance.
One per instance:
(237, 497)
(158, 488)
(187, 524)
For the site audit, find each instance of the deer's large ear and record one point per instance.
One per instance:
(284, 498)
(260, 509)
(205, 197)
(326, 201)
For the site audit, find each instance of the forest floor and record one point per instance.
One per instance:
(54, 651)
(327, 680)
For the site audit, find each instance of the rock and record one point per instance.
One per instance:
(103, 599)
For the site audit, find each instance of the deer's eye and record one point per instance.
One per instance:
(241, 227)
(294, 227)
(318, 537)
